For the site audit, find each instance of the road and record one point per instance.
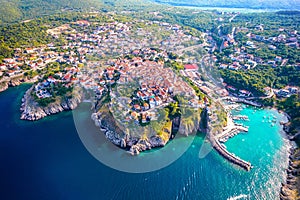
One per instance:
(232, 18)
(190, 48)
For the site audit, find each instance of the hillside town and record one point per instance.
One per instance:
(107, 58)
(138, 87)
(83, 39)
(240, 59)
(126, 62)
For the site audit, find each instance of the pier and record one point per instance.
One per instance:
(240, 100)
(226, 135)
(240, 117)
(251, 103)
(230, 130)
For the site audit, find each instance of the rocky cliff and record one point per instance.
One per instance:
(105, 120)
(189, 122)
(146, 144)
(3, 86)
(31, 110)
(10, 83)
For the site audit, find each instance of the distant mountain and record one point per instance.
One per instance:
(15, 10)
(255, 4)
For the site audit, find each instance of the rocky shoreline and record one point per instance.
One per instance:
(16, 82)
(30, 110)
(135, 145)
(124, 140)
(291, 188)
(3, 86)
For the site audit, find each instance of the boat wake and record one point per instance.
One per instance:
(238, 197)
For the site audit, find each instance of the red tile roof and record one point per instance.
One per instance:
(191, 66)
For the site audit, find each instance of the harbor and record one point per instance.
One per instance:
(230, 131)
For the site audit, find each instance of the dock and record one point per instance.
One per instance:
(224, 137)
(251, 103)
(244, 101)
(231, 130)
(240, 117)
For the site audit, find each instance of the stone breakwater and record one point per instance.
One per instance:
(30, 110)
(229, 156)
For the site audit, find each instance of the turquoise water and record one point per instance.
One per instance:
(47, 160)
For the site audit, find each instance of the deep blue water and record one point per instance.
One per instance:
(47, 160)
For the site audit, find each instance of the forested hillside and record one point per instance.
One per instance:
(14, 10)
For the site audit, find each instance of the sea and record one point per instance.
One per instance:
(49, 159)
(225, 9)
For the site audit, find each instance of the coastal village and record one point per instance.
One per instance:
(105, 41)
(145, 63)
(125, 60)
(83, 39)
